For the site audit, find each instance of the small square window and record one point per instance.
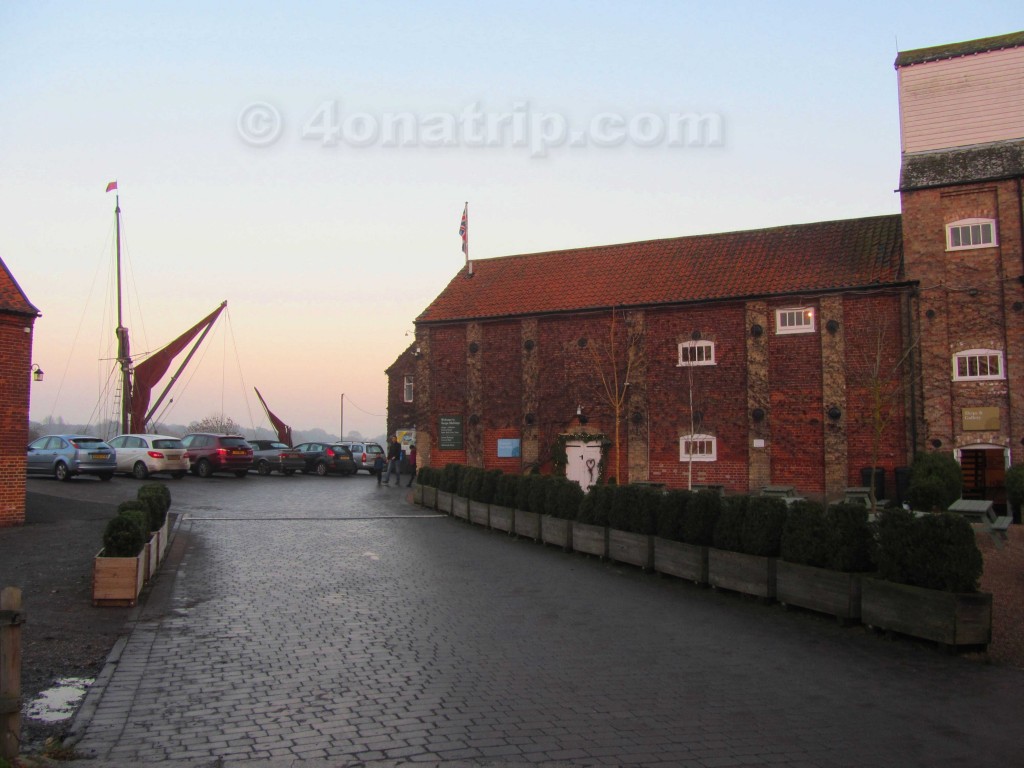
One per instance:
(698, 448)
(794, 320)
(696, 353)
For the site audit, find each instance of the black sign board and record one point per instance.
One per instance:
(450, 433)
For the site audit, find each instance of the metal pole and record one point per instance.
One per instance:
(341, 425)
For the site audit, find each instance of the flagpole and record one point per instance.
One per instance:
(465, 240)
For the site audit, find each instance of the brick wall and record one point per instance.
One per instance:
(15, 378)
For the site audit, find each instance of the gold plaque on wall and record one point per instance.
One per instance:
(980, 419)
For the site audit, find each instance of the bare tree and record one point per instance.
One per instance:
(216, 423)
(612, 362)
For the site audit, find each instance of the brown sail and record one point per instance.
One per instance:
(284, 432)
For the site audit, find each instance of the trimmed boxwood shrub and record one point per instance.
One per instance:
(450, 477)
(702, 512)
(123, 537)
(935, 482)
(157, 497)
(634, 509)
(729, 526)
(807, 536)
(761, 530)
(428, 476)
(671, 514)
(524, 490)
(852, 538)
(506, 491)
(138, 511)
(539, 494)
(1015, 485)
(487, 485)
(469, 481)
(932, 551)
(569, 497)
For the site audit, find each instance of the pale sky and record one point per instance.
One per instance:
(309, 163)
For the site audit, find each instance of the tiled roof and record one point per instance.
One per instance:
(801, 258)
(953, 50)
(12, 298)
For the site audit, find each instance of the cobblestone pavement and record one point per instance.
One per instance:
(328, 621)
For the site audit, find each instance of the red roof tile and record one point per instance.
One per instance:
(800, 258)
(12, 298)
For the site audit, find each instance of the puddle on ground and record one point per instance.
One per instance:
(60, 702)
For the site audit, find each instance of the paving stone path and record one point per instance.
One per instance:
(329, 620)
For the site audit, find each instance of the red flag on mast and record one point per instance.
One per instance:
(111, 185)
(464, 230)
(284, 432)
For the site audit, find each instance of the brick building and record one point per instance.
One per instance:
(17, 319)
(799, 355)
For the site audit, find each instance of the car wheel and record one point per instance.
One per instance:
(203, 468)
(139, 471)
(61, 471)
(321, 468)
(177, 475)
(263, 468)
(106, 477)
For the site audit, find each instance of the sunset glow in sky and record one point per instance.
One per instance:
(309, 163)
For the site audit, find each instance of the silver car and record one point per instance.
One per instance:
(65, 456)
(364, 453)
(144, 455)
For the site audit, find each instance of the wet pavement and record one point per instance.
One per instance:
(329, 621)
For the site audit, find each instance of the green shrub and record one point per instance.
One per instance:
(931, 551)
(761, 531)
(671, 512)
(594, 506)
(645, 516)
(123, 537)
(488, 485)
(1015, 485)
(505, 493)
(469, 479)
(568, 497)
(137, 511)
(701, 518)
(729, 526)
(852, 537)
(524, 491)
(539, 494)
(157, 497)
(425, 477)
(624, 502)
(935, 482)
(806, 536)
(450, 477)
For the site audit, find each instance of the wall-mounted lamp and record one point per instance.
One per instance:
(37, 373)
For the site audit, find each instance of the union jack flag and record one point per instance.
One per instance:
(464, 230)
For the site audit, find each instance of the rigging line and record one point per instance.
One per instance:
(195, 368)
(126, 253)
(238, 363)
(375, 415)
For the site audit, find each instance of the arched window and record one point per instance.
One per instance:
(971, 233)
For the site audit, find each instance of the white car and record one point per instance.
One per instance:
(143, 455)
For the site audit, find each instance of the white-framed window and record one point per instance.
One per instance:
(696, 353)
(409, 386)
(698, 448)
(794, 320)
(971, 233)
(978, 365)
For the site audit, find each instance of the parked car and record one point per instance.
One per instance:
(274, 456)
(209, 453)
(326, 458)
(65, 456)
(144, 455)
(364, 453)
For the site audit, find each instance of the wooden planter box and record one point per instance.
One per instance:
(117, 580)
(527, 524)
(429, 497)
(460, 507)
(503, 518)
(479, 513)
(685, 561)
(557, 531)
(633, 548)
(590, 539)
(749, 574)
(417, 495)
(165, 537)
(152, 552)
(819, 589)
(951, 618)
(444, 501)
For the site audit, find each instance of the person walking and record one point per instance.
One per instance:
(378, 466)
(410, 459)
(394, 457)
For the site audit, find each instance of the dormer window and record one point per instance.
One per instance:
(794, 320)
(971, 233)
(696, 353)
